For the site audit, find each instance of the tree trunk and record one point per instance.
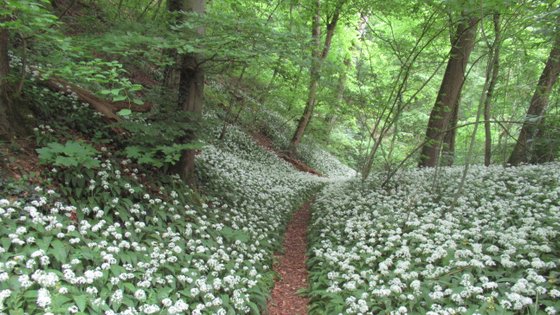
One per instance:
(191, 96)
(448, 148)
(170, 71)
(524, 147)
(315, 71)
(449, 91)
(490, 92)
(6, 128)
(547, 147)
(341, 88)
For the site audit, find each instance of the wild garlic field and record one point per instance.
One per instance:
(413, 247)
(135, 250)
(417, 248)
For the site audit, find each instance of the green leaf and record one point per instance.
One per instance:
(44, 243)
(130, 287)
(124, 112)
(81, 301)
(233, 235)
(59, 251)
(65, 161)
(119, 98)
(58, 300)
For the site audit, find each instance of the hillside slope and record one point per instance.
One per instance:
(137, 245)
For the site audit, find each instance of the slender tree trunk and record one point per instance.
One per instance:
(524, 147)
(119, 7)
(490, 92)
(6, 128)
(263, 95)
(295, 84)
(313, 80)
(191, 95)
(341, 88)
(395, 131)
(449, 91)
(315, 72)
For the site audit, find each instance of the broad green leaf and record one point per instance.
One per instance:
(59, 251)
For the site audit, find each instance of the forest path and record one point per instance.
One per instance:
(285, 299)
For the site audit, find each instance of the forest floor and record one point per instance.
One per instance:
(268, 145)
(18, 158)
(286, 298)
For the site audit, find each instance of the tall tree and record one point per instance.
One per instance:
(318, 55)
(450, 89)
(191, 93)
(523, 150)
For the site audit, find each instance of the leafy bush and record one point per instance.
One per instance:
(157, 139)
(159, 156)
(72, 154)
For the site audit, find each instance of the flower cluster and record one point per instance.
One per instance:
(126, 248)
(420, 247)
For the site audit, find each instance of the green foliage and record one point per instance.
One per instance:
(158, 138)
(72, 154)
(157, 128)
(27, 17)
(159, 156)
(260, 49)
(266, 45)
(107, 77)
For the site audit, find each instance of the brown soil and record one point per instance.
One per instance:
(266, 143)
(18, 158)
(291, 268)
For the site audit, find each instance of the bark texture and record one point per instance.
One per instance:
(6, 130)
(449, 91)
(448, 148)
(191, 95)
(523, 150)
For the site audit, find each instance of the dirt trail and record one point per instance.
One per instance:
(291, 267)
